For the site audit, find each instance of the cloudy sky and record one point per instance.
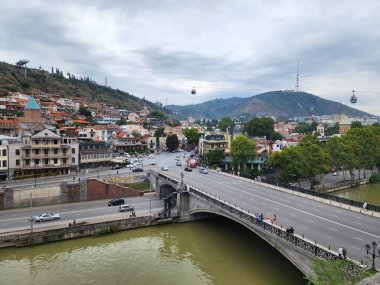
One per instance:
(160, 50)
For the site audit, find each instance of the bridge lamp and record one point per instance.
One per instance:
(368, 248)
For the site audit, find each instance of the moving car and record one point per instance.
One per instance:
(47, 217)
(126, 208)
(164, 168)
(153, 162)
(137, 169)
(116, 201)
(203, 170)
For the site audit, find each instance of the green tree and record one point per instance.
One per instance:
(158, 114)
(159, 132)
(172, 142)
(243, 149)
(356, 124)
(303, 128)
(84, 112)
(192, 136)
(260, 127)
(121, 122)
(226, 123)
(335, 272)
(329, 131)
(214, 156)
(136, 134)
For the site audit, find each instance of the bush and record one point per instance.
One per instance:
(375, 178)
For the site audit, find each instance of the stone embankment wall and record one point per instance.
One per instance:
(67, 192)
(76, 231)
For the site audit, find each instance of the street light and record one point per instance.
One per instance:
(368, 248)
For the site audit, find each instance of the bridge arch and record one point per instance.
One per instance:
(299, 258)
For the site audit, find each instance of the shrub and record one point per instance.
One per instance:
(375, 178)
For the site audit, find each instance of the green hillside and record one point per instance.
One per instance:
(12, 79)
(285, 104)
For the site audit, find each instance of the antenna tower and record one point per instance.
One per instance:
(298, 77)
(105, 82)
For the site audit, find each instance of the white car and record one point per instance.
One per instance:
(164, 168)
(335, 173)
(47, 217)
(203, 170)
(153, 162)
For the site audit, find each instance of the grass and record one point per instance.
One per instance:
(142, 187)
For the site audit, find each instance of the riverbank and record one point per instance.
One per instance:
(56, 233)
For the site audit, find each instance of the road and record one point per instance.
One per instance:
(18, 219)
(326, 224)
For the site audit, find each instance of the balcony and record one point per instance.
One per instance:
(45, 156)
(45, 166)
(48, 145)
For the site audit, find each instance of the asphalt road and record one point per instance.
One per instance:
(326, 224)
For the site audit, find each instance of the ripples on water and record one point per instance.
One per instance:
(215, 251)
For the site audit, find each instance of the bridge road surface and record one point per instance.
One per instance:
(328, 225)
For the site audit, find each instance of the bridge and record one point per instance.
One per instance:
(321, 226)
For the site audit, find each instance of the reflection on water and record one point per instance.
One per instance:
(366, 192)
(215, 251)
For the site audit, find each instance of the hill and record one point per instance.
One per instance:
(12, 79)
(284, 104)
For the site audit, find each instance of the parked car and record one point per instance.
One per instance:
(126, 208)
(203, 170)
(335, 173)
(116, 201)
(117, 166)
(47, 217)
(188, 169)
(153, 162)
(178, 163)
(137, 169)
(164, 168)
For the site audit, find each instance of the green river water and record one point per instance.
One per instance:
(215, 251)
(366, 192)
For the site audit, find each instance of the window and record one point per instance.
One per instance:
(4, 163)
(46, 151)
(17, 162)
(55, 160)
(73, 160)
(73, 150)
(46, 161)
(56, 151)
(4, 152)
(55, 141)
(17, 152)
(37, 151)
(46, 142)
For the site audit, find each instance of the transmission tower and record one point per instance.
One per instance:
(298, 77)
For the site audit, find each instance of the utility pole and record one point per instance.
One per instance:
(298, 79)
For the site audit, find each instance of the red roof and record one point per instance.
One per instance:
(81, 122)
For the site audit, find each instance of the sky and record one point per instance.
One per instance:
(160, 50)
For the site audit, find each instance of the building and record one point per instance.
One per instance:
(321, 130)
(214, 141)
(94, 154)
(344, 126)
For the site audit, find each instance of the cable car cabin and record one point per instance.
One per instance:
(193, 92)
(353, 98)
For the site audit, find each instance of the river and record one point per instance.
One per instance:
(366, 192)
(215, 251)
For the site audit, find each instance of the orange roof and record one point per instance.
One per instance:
(81, 122)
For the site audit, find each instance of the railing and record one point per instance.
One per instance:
(341, 200)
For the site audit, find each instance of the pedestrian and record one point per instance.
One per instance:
(274, 219)
(344, 252)
(365, 205)
(340, 251)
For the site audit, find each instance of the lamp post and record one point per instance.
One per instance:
(374, 255)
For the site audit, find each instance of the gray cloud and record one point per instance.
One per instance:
(223, 48)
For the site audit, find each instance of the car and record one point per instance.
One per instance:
(153, 162)
(164, 168)
(178, 163)
(116, 201)
(177, 158)
(117, 166)
(47, 217)
(137, 169)
(126, 208)
(203, 170)
(188, 169)
(335, 173)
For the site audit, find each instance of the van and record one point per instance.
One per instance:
(203, 170)
(125, 208)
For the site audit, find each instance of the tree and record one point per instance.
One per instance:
(226, 123)
(356, 124)
(243, 149)
(329, 131)
(157, 134)
(192, 136)
(335, 272)
(121, 122)
(260, 127)
(158, 114)
(84, 112)
(136, 134)
(214, 156)
(172, 142)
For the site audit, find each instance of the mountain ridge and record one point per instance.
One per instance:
(284, 104)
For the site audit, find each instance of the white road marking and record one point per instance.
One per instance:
(310, 221)
(293, 214)
(358, 223)
(335, 216)
(333, 229)
(354, 247)
(316, 210)
(358, 238)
